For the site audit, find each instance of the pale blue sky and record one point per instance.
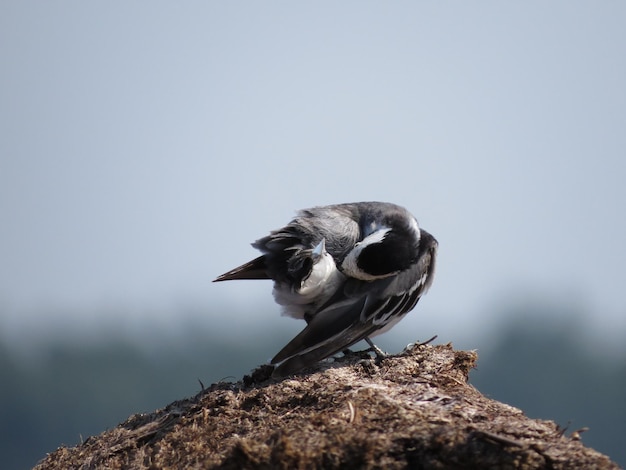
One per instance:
(144, 145)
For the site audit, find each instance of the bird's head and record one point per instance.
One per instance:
(385, 250)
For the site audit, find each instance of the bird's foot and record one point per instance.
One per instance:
(379, 352)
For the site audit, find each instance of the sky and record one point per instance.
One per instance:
(145, 145)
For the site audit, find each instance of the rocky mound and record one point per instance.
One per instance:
(412, 410)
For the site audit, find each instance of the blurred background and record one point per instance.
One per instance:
(144, 145)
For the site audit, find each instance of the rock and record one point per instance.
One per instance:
(412, 410)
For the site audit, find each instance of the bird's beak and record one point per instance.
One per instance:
(320, 249)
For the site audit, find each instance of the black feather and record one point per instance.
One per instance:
(254, 269)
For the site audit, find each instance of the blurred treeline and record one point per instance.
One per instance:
(67, 392)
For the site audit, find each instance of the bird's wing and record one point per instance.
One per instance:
(358, 310)
(340, 326)
(254, 269)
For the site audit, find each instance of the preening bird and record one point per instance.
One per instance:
(351, 271)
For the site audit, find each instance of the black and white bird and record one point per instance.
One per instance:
(351, 271)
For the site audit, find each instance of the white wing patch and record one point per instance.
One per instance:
(415, 227)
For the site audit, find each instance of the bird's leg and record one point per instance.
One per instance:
(379, 352)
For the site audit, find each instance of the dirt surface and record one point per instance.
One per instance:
(412, 410)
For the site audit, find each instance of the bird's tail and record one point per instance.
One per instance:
(254, 269)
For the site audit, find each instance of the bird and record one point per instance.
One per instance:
(350, 270)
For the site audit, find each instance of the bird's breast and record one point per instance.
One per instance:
(313, 291)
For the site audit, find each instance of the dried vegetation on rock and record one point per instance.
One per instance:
(412, 410)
